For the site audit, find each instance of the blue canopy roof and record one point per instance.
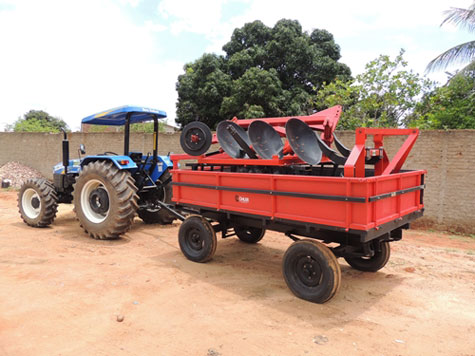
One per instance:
(116, 116)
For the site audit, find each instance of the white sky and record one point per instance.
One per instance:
(75, 58)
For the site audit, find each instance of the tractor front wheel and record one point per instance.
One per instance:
(105, 200)
(37, 202)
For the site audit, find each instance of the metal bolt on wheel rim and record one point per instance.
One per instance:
(308, 271)
(95, 201)
(194, 240)
(31, 203)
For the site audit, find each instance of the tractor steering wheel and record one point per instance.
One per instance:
(109, 153)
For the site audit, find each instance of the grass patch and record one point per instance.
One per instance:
(452, 250)
(9, 189)
(465, 238)
(451, 234)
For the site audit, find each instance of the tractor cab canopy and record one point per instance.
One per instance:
(117, 116)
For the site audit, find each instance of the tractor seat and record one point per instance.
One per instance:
(136, 156)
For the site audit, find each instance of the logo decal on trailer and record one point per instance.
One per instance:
(241, 199)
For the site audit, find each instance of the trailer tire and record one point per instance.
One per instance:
(105, 200)
(160, 216)
(38, 202)
(311, 271)
(374, 263)
(197, 239)
(248, 234)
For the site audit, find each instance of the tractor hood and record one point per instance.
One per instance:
(116, 116)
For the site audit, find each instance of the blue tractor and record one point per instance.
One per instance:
(107, 189)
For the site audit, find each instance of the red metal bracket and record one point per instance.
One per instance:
(355, 164)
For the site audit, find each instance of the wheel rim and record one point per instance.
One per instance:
(194, 240)
(31, 203)
(195, 139)
(95, 201)
(247, 232)
(308, 271)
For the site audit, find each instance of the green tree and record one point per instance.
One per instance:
(265, 72)
(38, 121)
(451, 106)
(464, 52)
(146, 127)
(201, 90)
(382, 96)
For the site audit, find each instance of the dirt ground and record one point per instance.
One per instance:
(62, 293)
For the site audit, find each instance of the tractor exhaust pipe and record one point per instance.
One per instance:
(65, 151)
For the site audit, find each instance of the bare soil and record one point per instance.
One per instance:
(63, 293)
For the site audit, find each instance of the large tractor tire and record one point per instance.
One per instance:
(163, 194)
(105, 200)
(37, 202)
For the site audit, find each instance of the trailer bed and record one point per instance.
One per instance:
(358, 204)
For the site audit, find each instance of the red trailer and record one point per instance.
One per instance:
(358, 200)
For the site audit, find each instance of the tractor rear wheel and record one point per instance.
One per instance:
(105, 200)
(311, 271)
(164, 194)
(37, 202)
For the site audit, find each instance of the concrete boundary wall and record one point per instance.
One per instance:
(448, 156)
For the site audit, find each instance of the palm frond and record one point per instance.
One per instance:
(461, 53)
(464, 18)
(469, 68)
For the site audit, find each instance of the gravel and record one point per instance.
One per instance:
(17, 173)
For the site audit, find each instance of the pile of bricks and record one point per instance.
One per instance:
(17, 173)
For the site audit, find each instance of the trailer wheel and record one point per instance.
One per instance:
(197, 239)
(37, 202)
(105, 200)
(163, 194)
(249, 234)
(311, 271)
(374, 263)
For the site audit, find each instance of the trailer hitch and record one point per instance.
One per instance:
(171, 211)
(292, 237)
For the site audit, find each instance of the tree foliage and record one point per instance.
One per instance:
(265, 72)
(382, 96)
(451, 106)
(143, 127)
(464, 52)
(38, 121)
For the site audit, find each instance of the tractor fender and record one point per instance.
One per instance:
(166, 161)
(163, 163)
(121, 162)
